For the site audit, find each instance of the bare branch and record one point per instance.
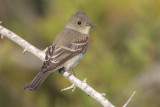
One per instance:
(41, 55)
(125, 105)
(7, 33)
(86, 88)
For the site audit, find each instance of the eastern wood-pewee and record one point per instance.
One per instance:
(67, 49)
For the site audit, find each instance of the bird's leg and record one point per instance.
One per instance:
(73, 72)
(73, 87)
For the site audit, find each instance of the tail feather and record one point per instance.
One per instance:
(37, 81)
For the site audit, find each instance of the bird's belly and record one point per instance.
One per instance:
(73, 62)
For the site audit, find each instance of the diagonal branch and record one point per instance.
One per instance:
(41, 55)
(27, 47)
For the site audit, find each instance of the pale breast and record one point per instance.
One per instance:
(73, 61)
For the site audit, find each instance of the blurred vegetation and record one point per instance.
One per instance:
(123, 55)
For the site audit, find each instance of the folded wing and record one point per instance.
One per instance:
(56, 56)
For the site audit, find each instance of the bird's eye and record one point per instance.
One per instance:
(79, 22)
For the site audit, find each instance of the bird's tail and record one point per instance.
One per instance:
(37, 81)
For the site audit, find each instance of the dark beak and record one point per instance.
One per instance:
(90, 25)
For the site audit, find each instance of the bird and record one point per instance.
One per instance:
(67, 49)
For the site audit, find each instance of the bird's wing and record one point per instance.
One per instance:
(56, 56)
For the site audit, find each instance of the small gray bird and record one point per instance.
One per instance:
(67, 49)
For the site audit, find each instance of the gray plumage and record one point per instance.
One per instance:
(66, 50)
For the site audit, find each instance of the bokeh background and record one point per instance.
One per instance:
(123, 55)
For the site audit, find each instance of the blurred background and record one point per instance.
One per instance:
(123, 55)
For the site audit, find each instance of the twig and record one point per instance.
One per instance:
(2, 36)
(7, 33)
(73, 87)
(103, 94)
(25, 50)
(41, 55)
(125, 105)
